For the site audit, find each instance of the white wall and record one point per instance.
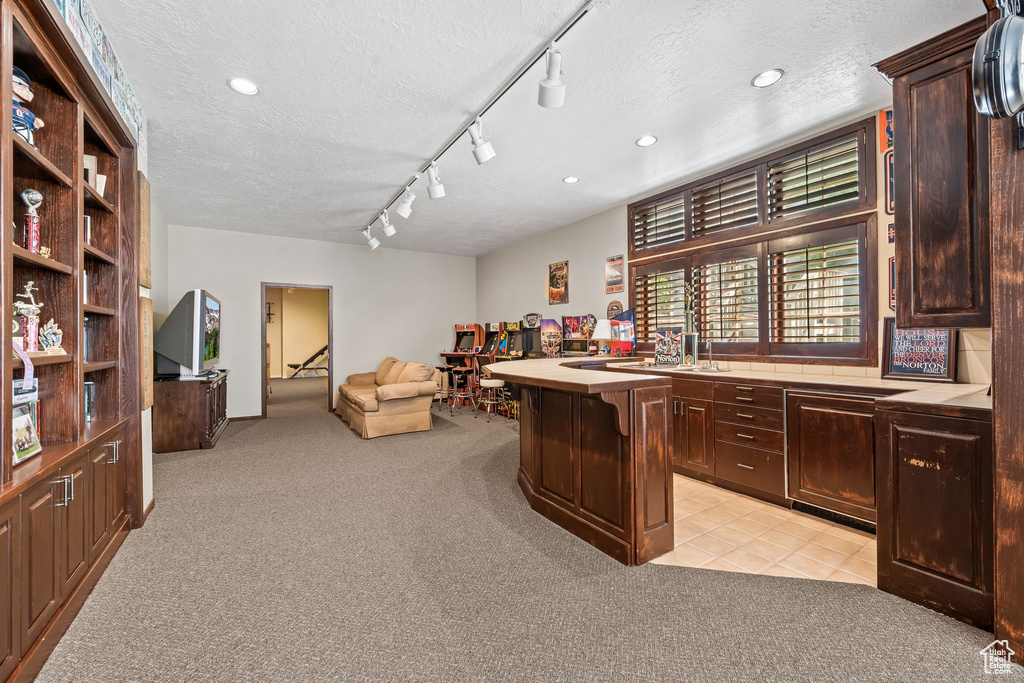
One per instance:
(386, 302)
(512, 281)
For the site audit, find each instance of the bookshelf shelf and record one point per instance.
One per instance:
(37, 361)
(24, 257)
(98, 310)
(96, 366)
(98, 254)
(94, 199)
(29, 162)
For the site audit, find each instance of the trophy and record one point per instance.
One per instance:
(29, 312)
(32, 199)
(50, 338)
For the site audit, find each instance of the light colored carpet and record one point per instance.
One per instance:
(295, 551)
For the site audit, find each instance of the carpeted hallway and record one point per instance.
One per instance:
(295, 551)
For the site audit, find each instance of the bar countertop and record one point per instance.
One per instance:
(557, 373)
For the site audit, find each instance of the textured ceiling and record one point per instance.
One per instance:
(357, 95)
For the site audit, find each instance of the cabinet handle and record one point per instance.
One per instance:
(675, 407)
(63, 503)
(745, 436)
(745, 416)
(71, 480)
(746, 467)
(744, 388)
(116, 445)
(745, 399)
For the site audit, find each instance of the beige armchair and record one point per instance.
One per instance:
(394, 399)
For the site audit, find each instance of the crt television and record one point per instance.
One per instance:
(188, 343)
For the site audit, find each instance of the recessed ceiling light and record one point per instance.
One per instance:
(570, 179)
(646, 141)
(766, 78)
(244, 86)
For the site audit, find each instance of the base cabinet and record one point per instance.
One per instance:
(189, 414)
(41, 554)
(10, 556)
(935, 513)
(831, 447)
(693, 435)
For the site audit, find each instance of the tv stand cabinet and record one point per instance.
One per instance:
(189, 413)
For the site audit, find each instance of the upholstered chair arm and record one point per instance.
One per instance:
(390, 392)
(362, 378)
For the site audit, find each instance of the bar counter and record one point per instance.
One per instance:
(595, 455)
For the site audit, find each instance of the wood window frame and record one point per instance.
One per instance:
(866, 136)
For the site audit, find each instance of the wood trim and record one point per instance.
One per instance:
(248, 417)
(620, 401)
(962, 37)
(145, 514)
(32, 663)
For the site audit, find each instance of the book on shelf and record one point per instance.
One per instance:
(88, 400)
(87, 226)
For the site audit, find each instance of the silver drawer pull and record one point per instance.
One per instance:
(63, 481)
(744, 388)
(745, 436)
(745, 416)
(746, 467)
(745, 399)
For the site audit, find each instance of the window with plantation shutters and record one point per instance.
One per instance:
(660, 299)
(658, 222)
(822, 176)
(816, 294)
(728, 301)
(725, 204)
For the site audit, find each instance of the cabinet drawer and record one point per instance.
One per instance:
(762, 470)
(693, 388)
(765, 418)
(746, 394)
(749, 436)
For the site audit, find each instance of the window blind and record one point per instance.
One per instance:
(659, 222)
(818, 178)
(725, 204)
(660, 301)
(728, 301)
(815, 293)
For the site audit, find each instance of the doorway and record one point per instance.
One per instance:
(297, 336)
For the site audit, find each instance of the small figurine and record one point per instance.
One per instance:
(25, 122)
(29, 312)
(45, 252)
(32, 199)
(50, 338)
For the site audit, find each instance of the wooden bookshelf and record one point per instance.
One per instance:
(99, 254)
(23, 257)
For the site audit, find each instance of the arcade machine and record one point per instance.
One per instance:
(468, 340)
(576, 331)
(531, 336)
(550, 338)
(489, 349)
(510, 346)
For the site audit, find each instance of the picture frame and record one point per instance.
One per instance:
(558, 283)
(928, 355)
(25, 440)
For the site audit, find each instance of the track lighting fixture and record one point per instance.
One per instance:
(370, 239)
(551, 93)
(404, 207)
(435, 189)
(482, 151)
(389, 230)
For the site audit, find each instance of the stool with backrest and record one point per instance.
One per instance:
(463, 389)
(444, 387)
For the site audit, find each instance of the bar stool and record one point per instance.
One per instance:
(494, 396)
(445, 388)
(463, 389)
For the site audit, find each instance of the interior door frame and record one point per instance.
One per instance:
(263, 339)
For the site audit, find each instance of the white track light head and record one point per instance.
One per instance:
(482, 151)
(551, 94)
(370, 239)
(404, 208)
(435, 189)
(385, 221)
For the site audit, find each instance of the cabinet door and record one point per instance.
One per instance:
(693, 442)
(98, 484)
(942, 233)
(10, 572)
(117, 493)
(40, 557)
(831, 443)
(74, 557)
(935, 513)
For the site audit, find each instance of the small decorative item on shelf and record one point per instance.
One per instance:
(29, 312)
(25, 123)
(26, 440)
(89, 165)
(668, 346)
(101, 183)
(50, 338)
(85, 340)
(87, 226)
(88, 400)
(32, 199)
(45, 252)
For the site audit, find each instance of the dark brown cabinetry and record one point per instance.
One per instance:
(749, 440)
(74, 559)
(935, 513)
(831, 447)
(942, 238)
(189, 414)
(40, 553)
(10, 555)
(693, 428)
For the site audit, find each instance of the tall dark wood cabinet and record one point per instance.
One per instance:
(189, 414)
(10, 559)
(941, 181)
(831, 446)
(935, 512)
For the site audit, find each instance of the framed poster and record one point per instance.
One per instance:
(884, 130)
(668, 346)
(146, 352)
(613, 279)
(145, 253)
(919, 354)
(890, 183)
(558, 283)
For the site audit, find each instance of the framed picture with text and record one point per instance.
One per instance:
(919, 354)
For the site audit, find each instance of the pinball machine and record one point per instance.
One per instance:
(468, 340)
(576, 332)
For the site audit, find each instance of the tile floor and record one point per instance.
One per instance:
(719, 529)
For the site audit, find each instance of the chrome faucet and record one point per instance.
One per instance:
(711, 365)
